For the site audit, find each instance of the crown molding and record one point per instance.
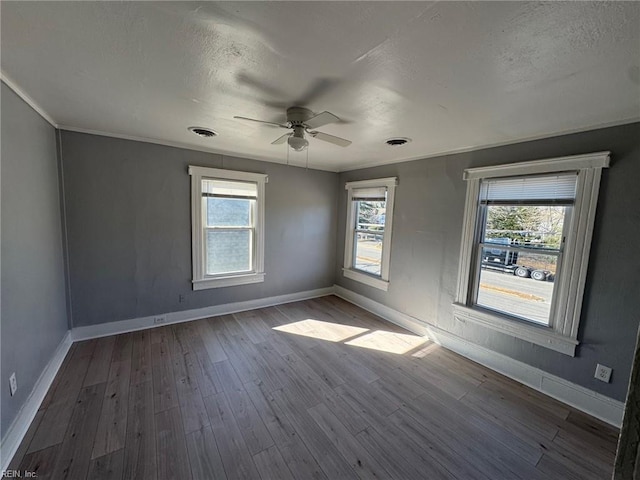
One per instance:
(27, 99)
(186, 146)
(487, 146)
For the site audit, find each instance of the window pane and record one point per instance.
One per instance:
(523, 289)
(520, 283)
(370, 215)
(370, 219)
(525, 226)
(228, 212)
(368, 253)
(228, 251)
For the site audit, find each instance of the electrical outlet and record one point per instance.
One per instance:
(159, 319)
(603, 373)
(13, 383)
(181, 298)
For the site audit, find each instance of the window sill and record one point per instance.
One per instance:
(366, 279)
(229, 281)
(538, 334)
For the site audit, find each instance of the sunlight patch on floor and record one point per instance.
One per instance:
(381, 340)
(389, 342)
(332, 332)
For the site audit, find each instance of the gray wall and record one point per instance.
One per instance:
(34, 314)
(426, 245)
(129, 234)
(128, 227)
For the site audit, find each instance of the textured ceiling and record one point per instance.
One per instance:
(451, 76)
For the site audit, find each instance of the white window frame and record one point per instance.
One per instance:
(200, 280)
(381, 282)
(562, 333)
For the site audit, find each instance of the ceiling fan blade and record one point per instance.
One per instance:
(281, 140)
(319, 88)
(270, 95)
(341, 142)
(257, 84)
(261, 121)
(321, 119)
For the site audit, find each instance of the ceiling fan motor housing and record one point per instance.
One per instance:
(298, 115)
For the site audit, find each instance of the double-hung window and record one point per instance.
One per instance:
(521, 233)
(525, 247)
(368, 231)
(227, 217)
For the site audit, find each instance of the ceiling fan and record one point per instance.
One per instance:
(302, 120)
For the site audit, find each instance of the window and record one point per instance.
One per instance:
(525, 247)
(521, 233)
(369, 223)
(227, 221)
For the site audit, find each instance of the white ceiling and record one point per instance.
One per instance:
(452, 76)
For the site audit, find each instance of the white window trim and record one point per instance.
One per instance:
(201, 281)
(562, 334)
(381, 282)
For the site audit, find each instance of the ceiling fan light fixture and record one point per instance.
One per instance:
(298, 143)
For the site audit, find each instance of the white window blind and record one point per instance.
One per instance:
(530, 189)
(371, 194)
(225, 188)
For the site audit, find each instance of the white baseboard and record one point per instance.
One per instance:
(21, 423)
(27, 413)
(583, 399)
(588, 401)
(142, 323)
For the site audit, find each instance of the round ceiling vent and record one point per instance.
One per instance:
(397, 142)
(203, 132)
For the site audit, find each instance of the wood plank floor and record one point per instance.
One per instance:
(318, 389)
